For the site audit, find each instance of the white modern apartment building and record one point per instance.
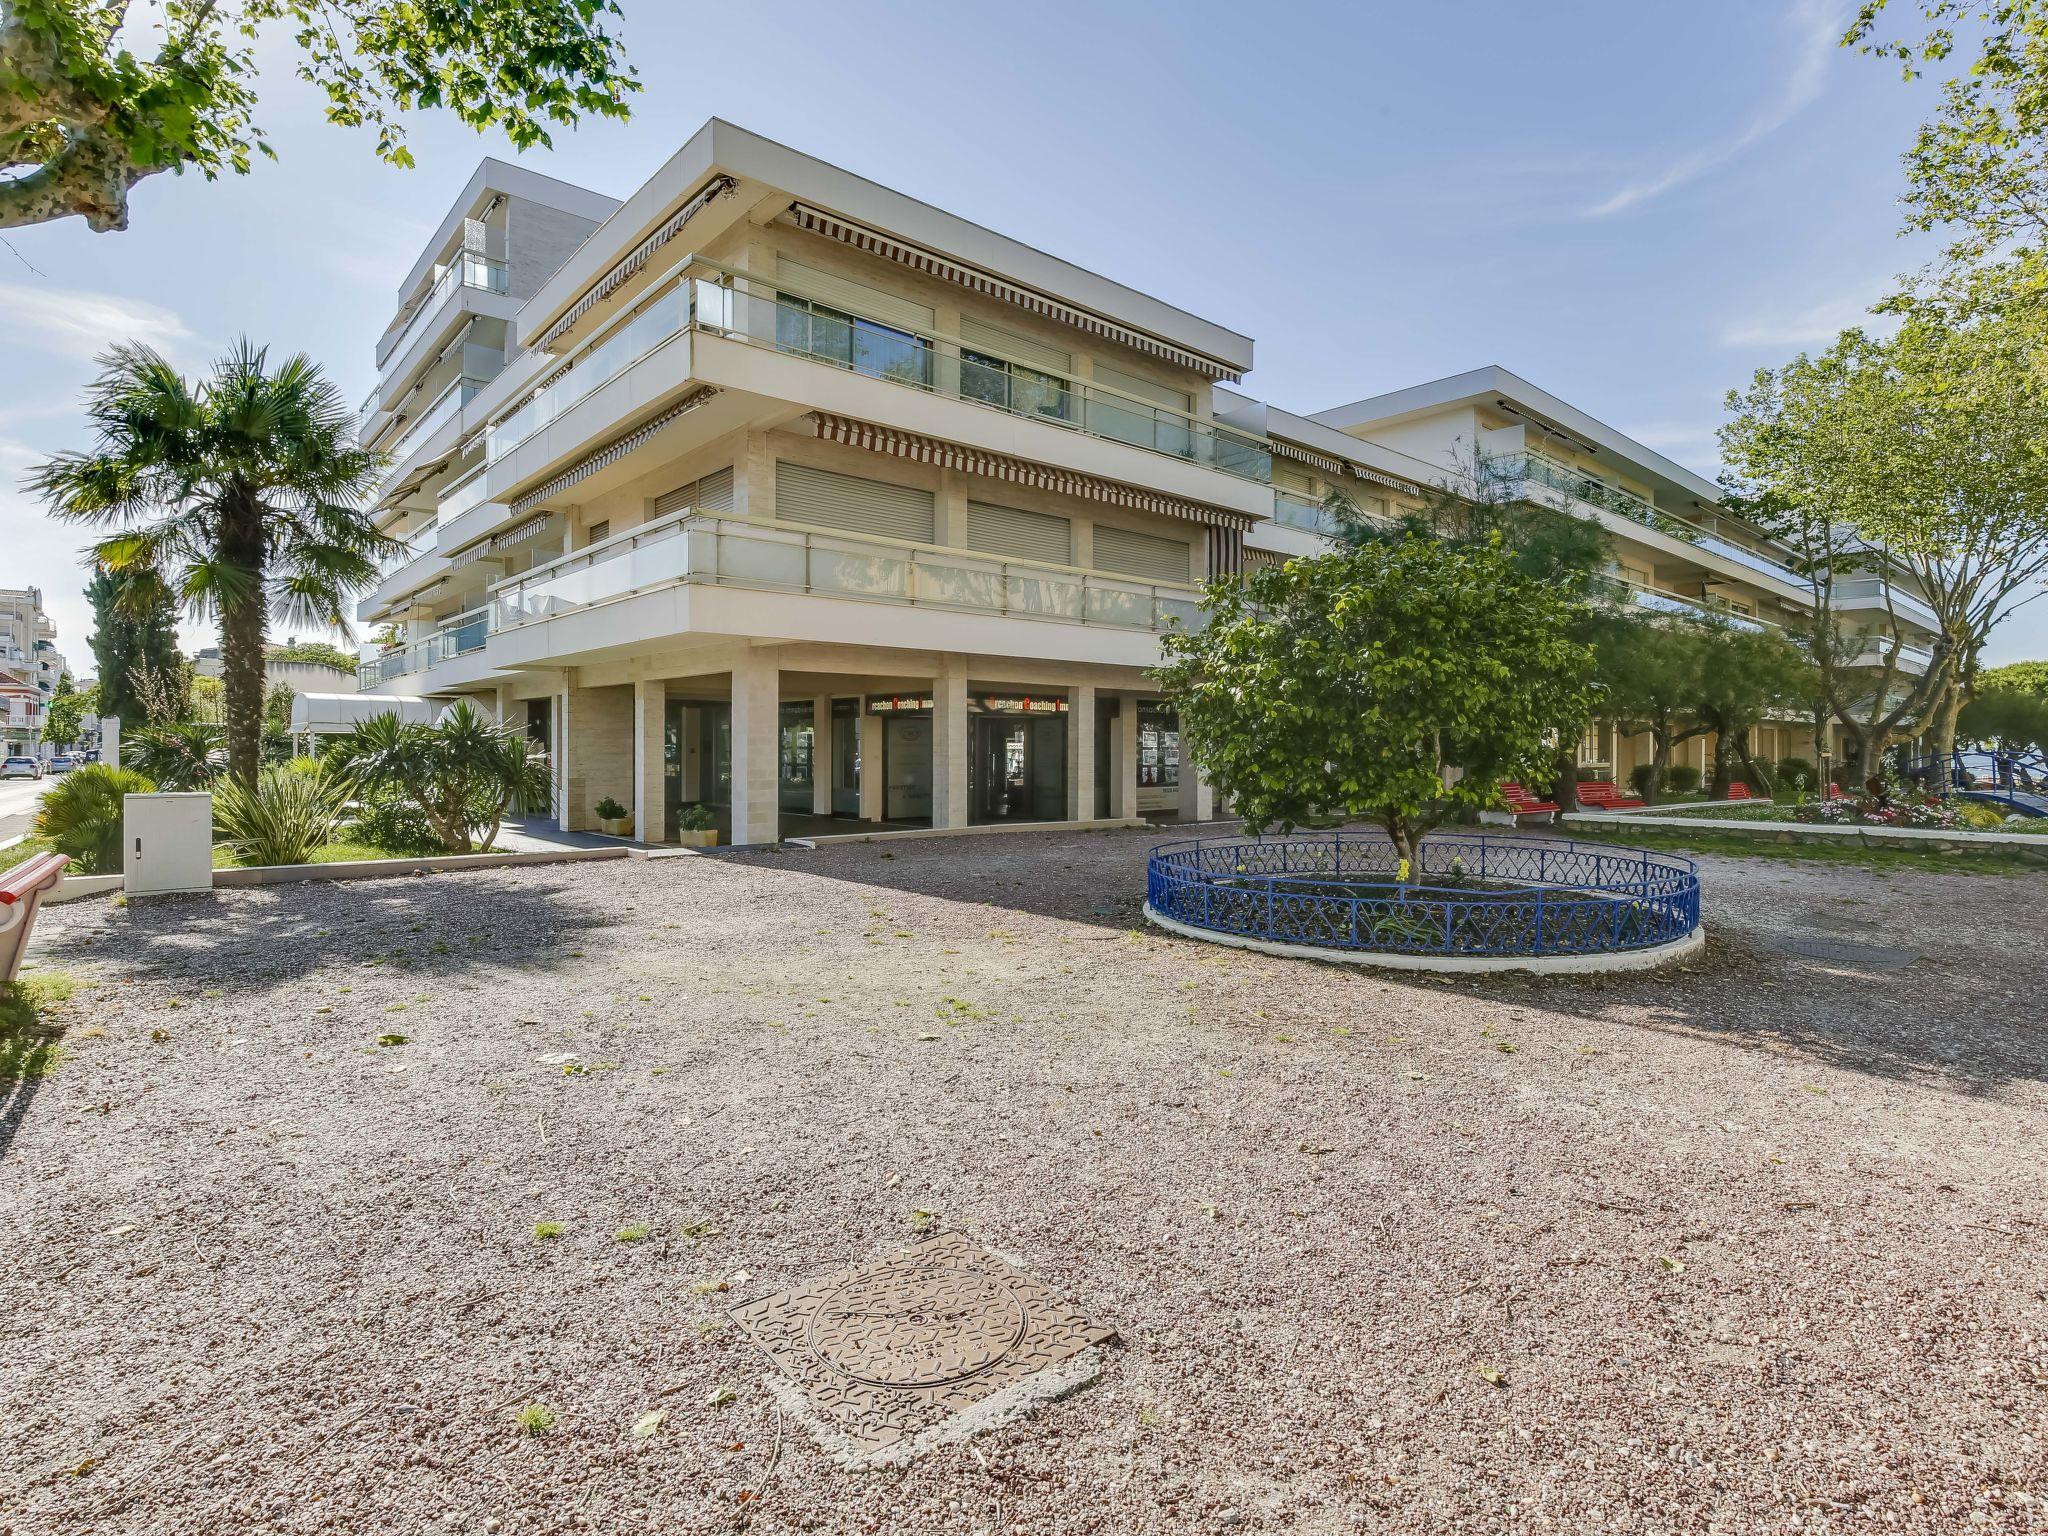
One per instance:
(30, 667)
(776, 491)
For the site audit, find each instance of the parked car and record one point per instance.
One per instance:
(63, 762)
(21, 768)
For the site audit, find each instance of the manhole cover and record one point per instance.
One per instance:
(1869, 957)
(885, 1360)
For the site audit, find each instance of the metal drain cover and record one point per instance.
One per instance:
(1869, 957)
(887, 1359)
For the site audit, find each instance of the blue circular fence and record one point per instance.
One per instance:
(1474, 897)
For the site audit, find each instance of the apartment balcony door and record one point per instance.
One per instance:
(907, 768)
(846, 757)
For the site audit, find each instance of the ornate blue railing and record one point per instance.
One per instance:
(2016, 780)
(1473, 897)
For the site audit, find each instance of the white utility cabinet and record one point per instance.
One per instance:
(167, 841)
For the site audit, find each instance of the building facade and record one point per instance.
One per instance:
(30, 667)
(777, 492)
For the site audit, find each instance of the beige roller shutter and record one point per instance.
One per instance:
(713, 493)
(828, 500)
(1144, 555)
(855, 298)
(980, 336)
(1144, 389)
(1020, 535)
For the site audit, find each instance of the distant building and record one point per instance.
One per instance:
(299, 676)
(30, 666)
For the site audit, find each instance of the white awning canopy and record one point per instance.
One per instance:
(336, 714)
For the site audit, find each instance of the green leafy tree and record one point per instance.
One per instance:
(2027, 676)
(69, 705)
(241, 493)
(316, 653)
(1396, 682)
(1650, 676)
(2013, 719)
(81, 815)
(1745, 675)
(92, 102)
(465, 773)
(134, 626)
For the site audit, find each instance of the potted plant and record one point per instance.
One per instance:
(696, 827)
(612, 817)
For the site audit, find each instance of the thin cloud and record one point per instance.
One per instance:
(78, 325)
(1814, 324)
(1687, 442)
(1817, 27)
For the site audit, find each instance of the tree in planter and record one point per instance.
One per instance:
(135, 638)
(1489, 501)
(240, 494)
(465, 773)
(1744, 675)
(1650, 675)
(1396, 682)
(83, 118)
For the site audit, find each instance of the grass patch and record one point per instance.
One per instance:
(1932, 861)
(29, 1024)
(638, 1232)
(534, 1419)
(332, 853)
(543, 1230)
(25, 850)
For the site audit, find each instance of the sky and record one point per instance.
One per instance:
(1632, 206)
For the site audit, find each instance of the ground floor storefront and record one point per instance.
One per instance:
(781, 742)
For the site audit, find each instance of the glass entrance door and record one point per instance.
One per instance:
(907, 768)
(1016, 768)
(846, 757)
(714, 748)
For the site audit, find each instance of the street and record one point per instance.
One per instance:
(18, 799)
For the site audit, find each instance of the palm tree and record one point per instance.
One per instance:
(241, 494)
(465, 773)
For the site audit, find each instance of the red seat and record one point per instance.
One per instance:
(1607, 797)
(22, 889)
(1522, 803)
(1737, 790)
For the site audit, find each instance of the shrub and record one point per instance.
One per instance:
(696, 818)
(1639, 777)
(465, 772)
(1797, 773)
(81, 815)
(185, 755)
(284, 818)
(387, 818)
(1591, 773)
(1681, 778)
(609, 809)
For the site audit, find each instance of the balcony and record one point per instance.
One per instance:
(460, 636)
(1534, 468)
(483, 273)
(1704, 609)
(1873, 650)
(694, 548)
(1308, 516)
(445, 408)
(786, 321)
(458, 498)
(1874, 593)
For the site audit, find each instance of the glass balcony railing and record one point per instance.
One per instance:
(469, 491)
(1749, 557)
(787, 321)
(1308, 516)
(484, 273)
(410, 548)
(1659, 601)
(459, 636)
(691, 547)
(429, 421)
(1876, 592)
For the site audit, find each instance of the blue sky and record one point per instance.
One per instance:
(1633, 206)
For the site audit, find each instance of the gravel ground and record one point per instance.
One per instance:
(1754, 1245)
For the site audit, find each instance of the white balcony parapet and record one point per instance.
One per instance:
(470, 491)
(782, 318)
(688, 546)
(1876, 593)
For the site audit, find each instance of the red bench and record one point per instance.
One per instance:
(22, 889)
(1522, 803)
(1603, 796)
(1737, 790)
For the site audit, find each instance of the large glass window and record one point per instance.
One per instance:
(862, 345)
(1013, 387)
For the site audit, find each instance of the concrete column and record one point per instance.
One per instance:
(756, 696)
(650, 790)
(564, 799)
(1197, 799)
(871, 806)
(949, 512)
(502, 702)
(949, 743)
(692, 757)
(821, 755)
(1123, 758)
(1081, 752)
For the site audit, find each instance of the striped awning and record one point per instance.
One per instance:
(818, 222)
(998, 466)
(1226, 552)
(519, 533)
(612, 452)
(633, 261)
(1330, 465)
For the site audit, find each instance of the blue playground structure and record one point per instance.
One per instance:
(2015, 782)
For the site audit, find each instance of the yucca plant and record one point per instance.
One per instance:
(283, 818)
(181, 755)
(464, 773)
(81, 815)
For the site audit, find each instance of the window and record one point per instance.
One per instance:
(993, 369)
(1020, 535)
(873, 333)
(1158, 747)
(1144, 555)
(599, 532)
(827, 500)
(710, 493)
